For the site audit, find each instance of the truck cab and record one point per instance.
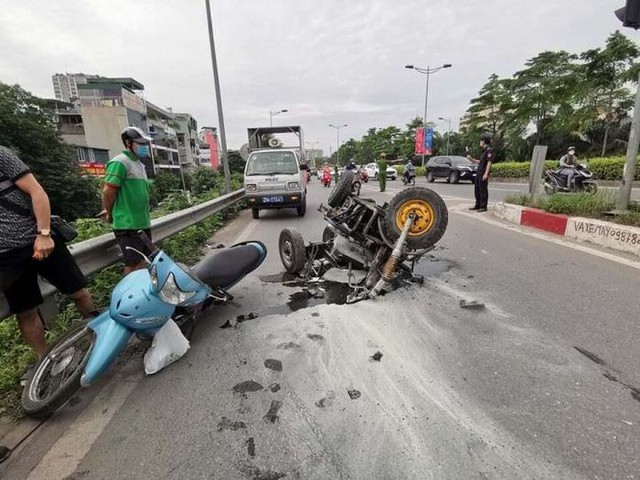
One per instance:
(274, 178)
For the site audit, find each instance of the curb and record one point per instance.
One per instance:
(605, 234)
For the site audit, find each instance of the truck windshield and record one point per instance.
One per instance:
(272, 163)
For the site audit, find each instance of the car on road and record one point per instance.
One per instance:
(373, 171)
(451, 167)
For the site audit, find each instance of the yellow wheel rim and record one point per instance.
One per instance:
(425, 217)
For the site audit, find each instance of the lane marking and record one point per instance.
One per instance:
(248, 230)
(65, 455)
(525, 231)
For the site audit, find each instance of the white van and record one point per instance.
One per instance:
(274, 179)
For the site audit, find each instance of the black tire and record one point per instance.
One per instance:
(35, 406)
(293, 253)
(355, 188)
(433, 212)
(430, 177)
(255, 212)
(590, 188)
(302, 209)
(454, 177)
(341, 191)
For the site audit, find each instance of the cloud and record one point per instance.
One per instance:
(326, 62)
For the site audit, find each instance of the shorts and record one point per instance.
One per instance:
(130, 238)
(22, 271)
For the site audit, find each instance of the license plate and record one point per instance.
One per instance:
(272, 199)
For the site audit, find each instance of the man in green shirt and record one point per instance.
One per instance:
(126, 197)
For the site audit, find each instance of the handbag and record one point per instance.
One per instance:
(60, 228)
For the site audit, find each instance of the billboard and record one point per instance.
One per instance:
(94, 169)
(424, 141)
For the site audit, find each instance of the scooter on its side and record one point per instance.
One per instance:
(141, 303)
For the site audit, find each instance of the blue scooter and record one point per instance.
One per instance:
(141, 303)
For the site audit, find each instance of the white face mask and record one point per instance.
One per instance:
(572, 152)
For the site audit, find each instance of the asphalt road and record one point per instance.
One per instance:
(541, 383)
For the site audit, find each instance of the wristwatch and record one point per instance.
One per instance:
(44, 232)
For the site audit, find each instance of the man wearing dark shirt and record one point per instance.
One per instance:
(482, 175)
(27, 249)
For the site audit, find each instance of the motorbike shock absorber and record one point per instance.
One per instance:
(389, 268)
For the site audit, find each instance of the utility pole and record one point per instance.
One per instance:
(274, 113)
(338, 127)
(216, 81)
(624, 195)
(448, 132)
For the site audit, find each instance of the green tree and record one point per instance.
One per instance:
(28, 126)
(204, 179)
(603, 99)
(236, 162)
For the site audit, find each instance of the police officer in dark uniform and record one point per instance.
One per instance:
(482, 174)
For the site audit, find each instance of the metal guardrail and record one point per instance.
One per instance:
(97, 253)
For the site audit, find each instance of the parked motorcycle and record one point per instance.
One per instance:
(409, 178)
(555, 182)
(141, 303)
(382, 241)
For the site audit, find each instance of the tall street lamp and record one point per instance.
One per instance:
(338, 127)
(449, 132)
(427, 71)
(216, 81)
(274, 113)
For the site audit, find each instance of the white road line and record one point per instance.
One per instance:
(244, 235)
(541, 236)
(66, 454)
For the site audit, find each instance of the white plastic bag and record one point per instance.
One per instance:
(168, 346)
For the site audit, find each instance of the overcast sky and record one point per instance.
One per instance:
(326, 61)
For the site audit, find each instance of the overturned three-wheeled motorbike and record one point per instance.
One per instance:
(375, 246)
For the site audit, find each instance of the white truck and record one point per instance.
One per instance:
(275, 174)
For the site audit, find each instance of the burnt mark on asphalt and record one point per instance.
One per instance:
(227, 424)
(272, 415)
(432, 267)
(247, 386)
(288, 346)
(315, 337)
(273, 364)
(354, 394)
(591, 356)
(251, 447)
(239, 319)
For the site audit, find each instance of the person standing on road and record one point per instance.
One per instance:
(568, 164)
(27, 249)
(125, 197)
(482, 174)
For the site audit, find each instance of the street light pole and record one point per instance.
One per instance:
(449, 132)
(273, 114)
(427, 71)
(338, 127)
(216, 81)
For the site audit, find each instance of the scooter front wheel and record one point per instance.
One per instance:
(56, 377)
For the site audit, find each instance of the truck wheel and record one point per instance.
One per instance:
(342, 189)
(431, 223)
(302, 209)
(255, 212)
(293, 253)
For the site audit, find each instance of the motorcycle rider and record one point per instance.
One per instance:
(568, 165)
(351, 166)
(408, 170)
(326, 175)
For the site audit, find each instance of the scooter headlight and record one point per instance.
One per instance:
(170, 293)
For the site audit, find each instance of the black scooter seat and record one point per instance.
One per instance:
(224, 267)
